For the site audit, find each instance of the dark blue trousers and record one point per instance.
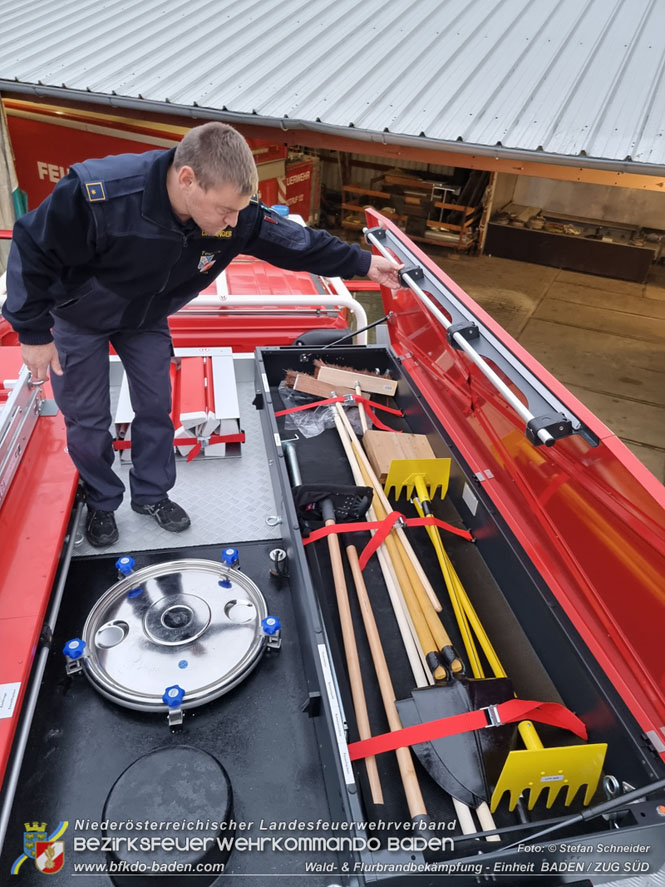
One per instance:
(82, 394)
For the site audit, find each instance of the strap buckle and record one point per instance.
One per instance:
(493, 716)
(349, 398)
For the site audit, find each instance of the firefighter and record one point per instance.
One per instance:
(120, 244)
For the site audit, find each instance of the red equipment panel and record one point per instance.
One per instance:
(244, 329)
(33, 524)
(591, 519)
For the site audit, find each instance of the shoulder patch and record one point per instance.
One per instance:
(95, 191)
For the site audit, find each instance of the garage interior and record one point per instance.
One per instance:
(592, 311)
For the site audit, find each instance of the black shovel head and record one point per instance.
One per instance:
(349, 503)
(464, 765)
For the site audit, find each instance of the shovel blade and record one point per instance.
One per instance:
(550, 769)
(459, 764)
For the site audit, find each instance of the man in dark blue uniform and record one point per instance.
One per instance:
(119, 245)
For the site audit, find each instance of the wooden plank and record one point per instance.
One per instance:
(310, 385)
(456, 206)
(432, 223)
(373, 384)
(523, 213)
(356, 189)
(384, 446)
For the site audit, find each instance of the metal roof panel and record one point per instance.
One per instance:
(563, 78)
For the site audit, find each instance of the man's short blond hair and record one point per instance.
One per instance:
(218, 155)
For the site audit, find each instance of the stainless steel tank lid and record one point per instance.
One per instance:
(192, 623)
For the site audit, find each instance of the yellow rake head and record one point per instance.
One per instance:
(538, 769)
(429, 474)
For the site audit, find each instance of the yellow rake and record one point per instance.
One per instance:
(534, 769)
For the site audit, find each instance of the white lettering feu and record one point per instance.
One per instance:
(50, 171)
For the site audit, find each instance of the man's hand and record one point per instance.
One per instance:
(383, 271)
(39, 359)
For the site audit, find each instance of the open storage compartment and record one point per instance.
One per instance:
(541, 651)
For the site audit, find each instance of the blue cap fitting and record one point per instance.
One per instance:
(280, 208)
(173, 696)
(125, 565)
(74, 649)
(270, 625)
(230, 557)
(135, 592)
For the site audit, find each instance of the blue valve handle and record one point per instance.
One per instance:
(230, 557)
(270, 625)
(173, 696)
(125, 565)
(74, 649)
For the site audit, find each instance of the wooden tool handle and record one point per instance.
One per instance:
(414, 798)
(373, 481)
(425, 637)
(432, 636)
(352, 661)
(421, 673)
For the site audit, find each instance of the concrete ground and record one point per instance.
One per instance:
(603, 338)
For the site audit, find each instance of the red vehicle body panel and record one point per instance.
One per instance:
(246, 329)
(591, 519)
(33, 524)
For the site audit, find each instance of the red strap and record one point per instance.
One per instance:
(358, 398)
(195, 450)
(331, 529)
(190, 441)
(429, 521)
(506, 713)
(383, 527)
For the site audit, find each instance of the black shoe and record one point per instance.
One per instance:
(100, 528)
(168, 515)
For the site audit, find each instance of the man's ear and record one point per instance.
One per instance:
(186, 176)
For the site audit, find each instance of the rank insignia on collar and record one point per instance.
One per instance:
(206, 261)
(95, 191)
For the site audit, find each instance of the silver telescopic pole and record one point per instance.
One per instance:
(468, 349)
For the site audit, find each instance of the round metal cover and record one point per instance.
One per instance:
(191, 623)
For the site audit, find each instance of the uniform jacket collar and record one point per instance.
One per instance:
(156, 205)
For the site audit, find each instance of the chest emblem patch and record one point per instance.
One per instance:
(206, 261)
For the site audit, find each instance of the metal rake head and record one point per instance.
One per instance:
(433, 473)
(550, 769)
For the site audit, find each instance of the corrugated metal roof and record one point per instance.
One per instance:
(559, 77)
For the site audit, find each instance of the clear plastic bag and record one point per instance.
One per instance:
(311, 422)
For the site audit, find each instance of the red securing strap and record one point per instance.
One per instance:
(358, 398)
(194, 442)
(506, 713)
(322, 532)
(379, 525)
(195, 450)
(385, 526)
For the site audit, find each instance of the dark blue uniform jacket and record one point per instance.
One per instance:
(106, 252)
